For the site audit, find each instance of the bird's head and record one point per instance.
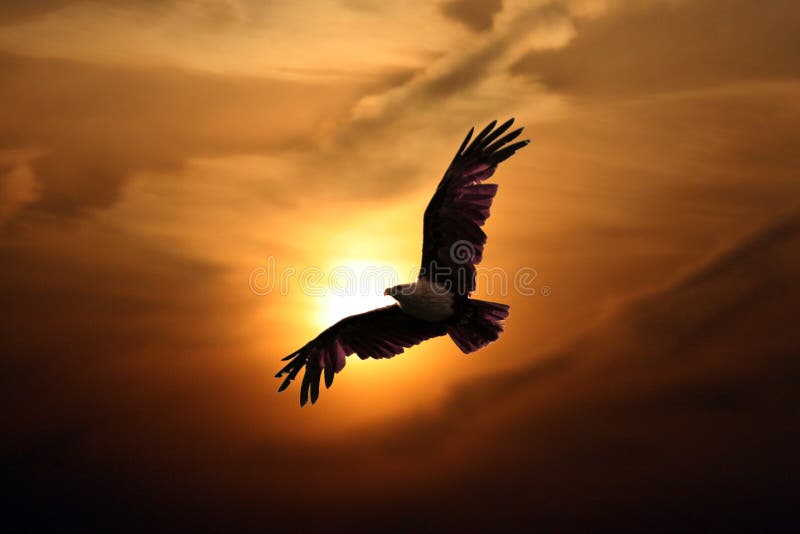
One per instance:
(395, 291)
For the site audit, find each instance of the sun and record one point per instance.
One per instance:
(354, 286)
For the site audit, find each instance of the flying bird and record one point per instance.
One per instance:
(439, 302)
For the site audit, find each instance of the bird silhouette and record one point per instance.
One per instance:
(439, 302)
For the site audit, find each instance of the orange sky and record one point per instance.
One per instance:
(153, 154)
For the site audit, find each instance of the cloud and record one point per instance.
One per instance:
(15, 12)
(646, 48)
(658, 416)
(136, 369)
(17, 190)
(456, 74)
(215, 12)
(96, 126)
(477, 15)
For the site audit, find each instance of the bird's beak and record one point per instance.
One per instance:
(386, 292)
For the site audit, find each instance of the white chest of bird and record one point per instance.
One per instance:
(424, 300)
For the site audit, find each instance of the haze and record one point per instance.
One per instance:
(153, 154)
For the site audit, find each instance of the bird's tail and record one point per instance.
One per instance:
(480, 324)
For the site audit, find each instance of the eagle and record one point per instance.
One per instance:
(438, 302)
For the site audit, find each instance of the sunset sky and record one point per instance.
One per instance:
(155, 154)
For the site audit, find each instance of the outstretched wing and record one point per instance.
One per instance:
(380, 333)
(452, 236)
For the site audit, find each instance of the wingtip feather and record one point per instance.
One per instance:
(500, 130)
(329, 374)
(304, 388)
(316, 374)
(284, 384)
(465, 141)
(503, 140)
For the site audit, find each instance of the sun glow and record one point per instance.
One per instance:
(356, 286)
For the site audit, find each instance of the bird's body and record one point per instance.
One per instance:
(424, 300)
(438, 302)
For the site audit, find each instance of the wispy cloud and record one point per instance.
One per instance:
(647, 48)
